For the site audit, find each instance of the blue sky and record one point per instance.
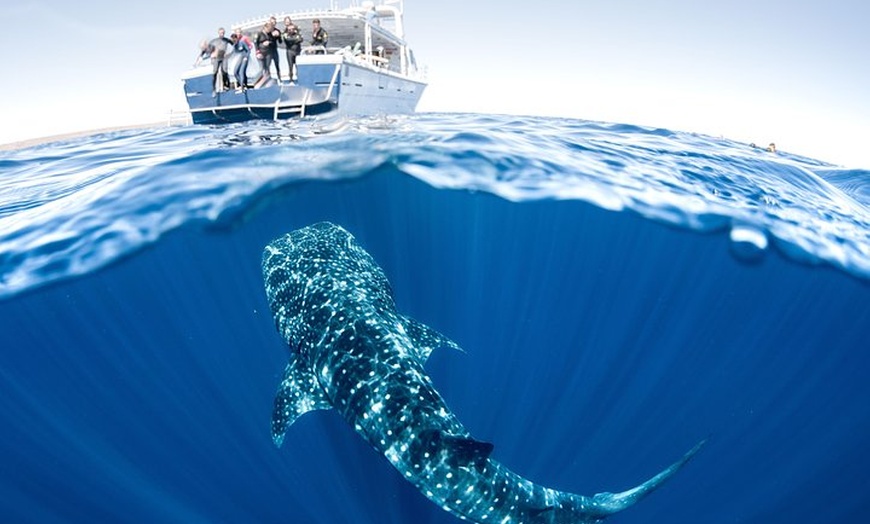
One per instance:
(796, 73)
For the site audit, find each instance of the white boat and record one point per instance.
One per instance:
(366, 68)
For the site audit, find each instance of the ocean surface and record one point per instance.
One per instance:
(620, 292)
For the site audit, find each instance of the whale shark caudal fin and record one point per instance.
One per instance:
(425, 339)
(610, 503)
(298, 394)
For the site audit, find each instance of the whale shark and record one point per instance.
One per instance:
(352, 351)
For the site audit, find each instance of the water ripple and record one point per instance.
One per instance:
(67, 208)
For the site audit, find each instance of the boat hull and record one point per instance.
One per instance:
(333, 85)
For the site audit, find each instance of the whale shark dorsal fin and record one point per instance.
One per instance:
(298, 394)
(426, 339)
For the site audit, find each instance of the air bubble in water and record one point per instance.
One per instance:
(748, 244)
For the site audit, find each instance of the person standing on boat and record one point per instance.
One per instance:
(242, 46)
(204, 53)
(293, 42)
(219, 47)
(264, 53)
(319, 37)
(275, 35)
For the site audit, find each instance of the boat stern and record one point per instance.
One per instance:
(315, 91)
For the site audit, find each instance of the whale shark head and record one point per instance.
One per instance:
(313, 274)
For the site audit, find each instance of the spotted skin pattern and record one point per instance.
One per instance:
(353, 352)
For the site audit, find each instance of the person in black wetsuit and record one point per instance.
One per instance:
(319, 37)
(219, 46)
(275, 35)
(264, 52)
(293, 42)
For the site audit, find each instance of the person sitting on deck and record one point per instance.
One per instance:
(319, 37)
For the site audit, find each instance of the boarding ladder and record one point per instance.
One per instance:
(290, 109)
(300, 109)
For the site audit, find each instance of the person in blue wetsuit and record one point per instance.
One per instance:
(242, 46)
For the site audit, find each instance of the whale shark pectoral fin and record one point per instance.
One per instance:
(426, 339)
(469, 450)
(463, 451)
(537, 512)
(298, 394)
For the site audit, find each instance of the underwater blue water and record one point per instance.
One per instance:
(620, 292)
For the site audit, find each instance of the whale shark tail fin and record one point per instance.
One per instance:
(298, 394)
(425, 339)
(610, 503)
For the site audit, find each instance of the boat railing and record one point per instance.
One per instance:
(378, 60)
(353, 54)
(318, 50)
